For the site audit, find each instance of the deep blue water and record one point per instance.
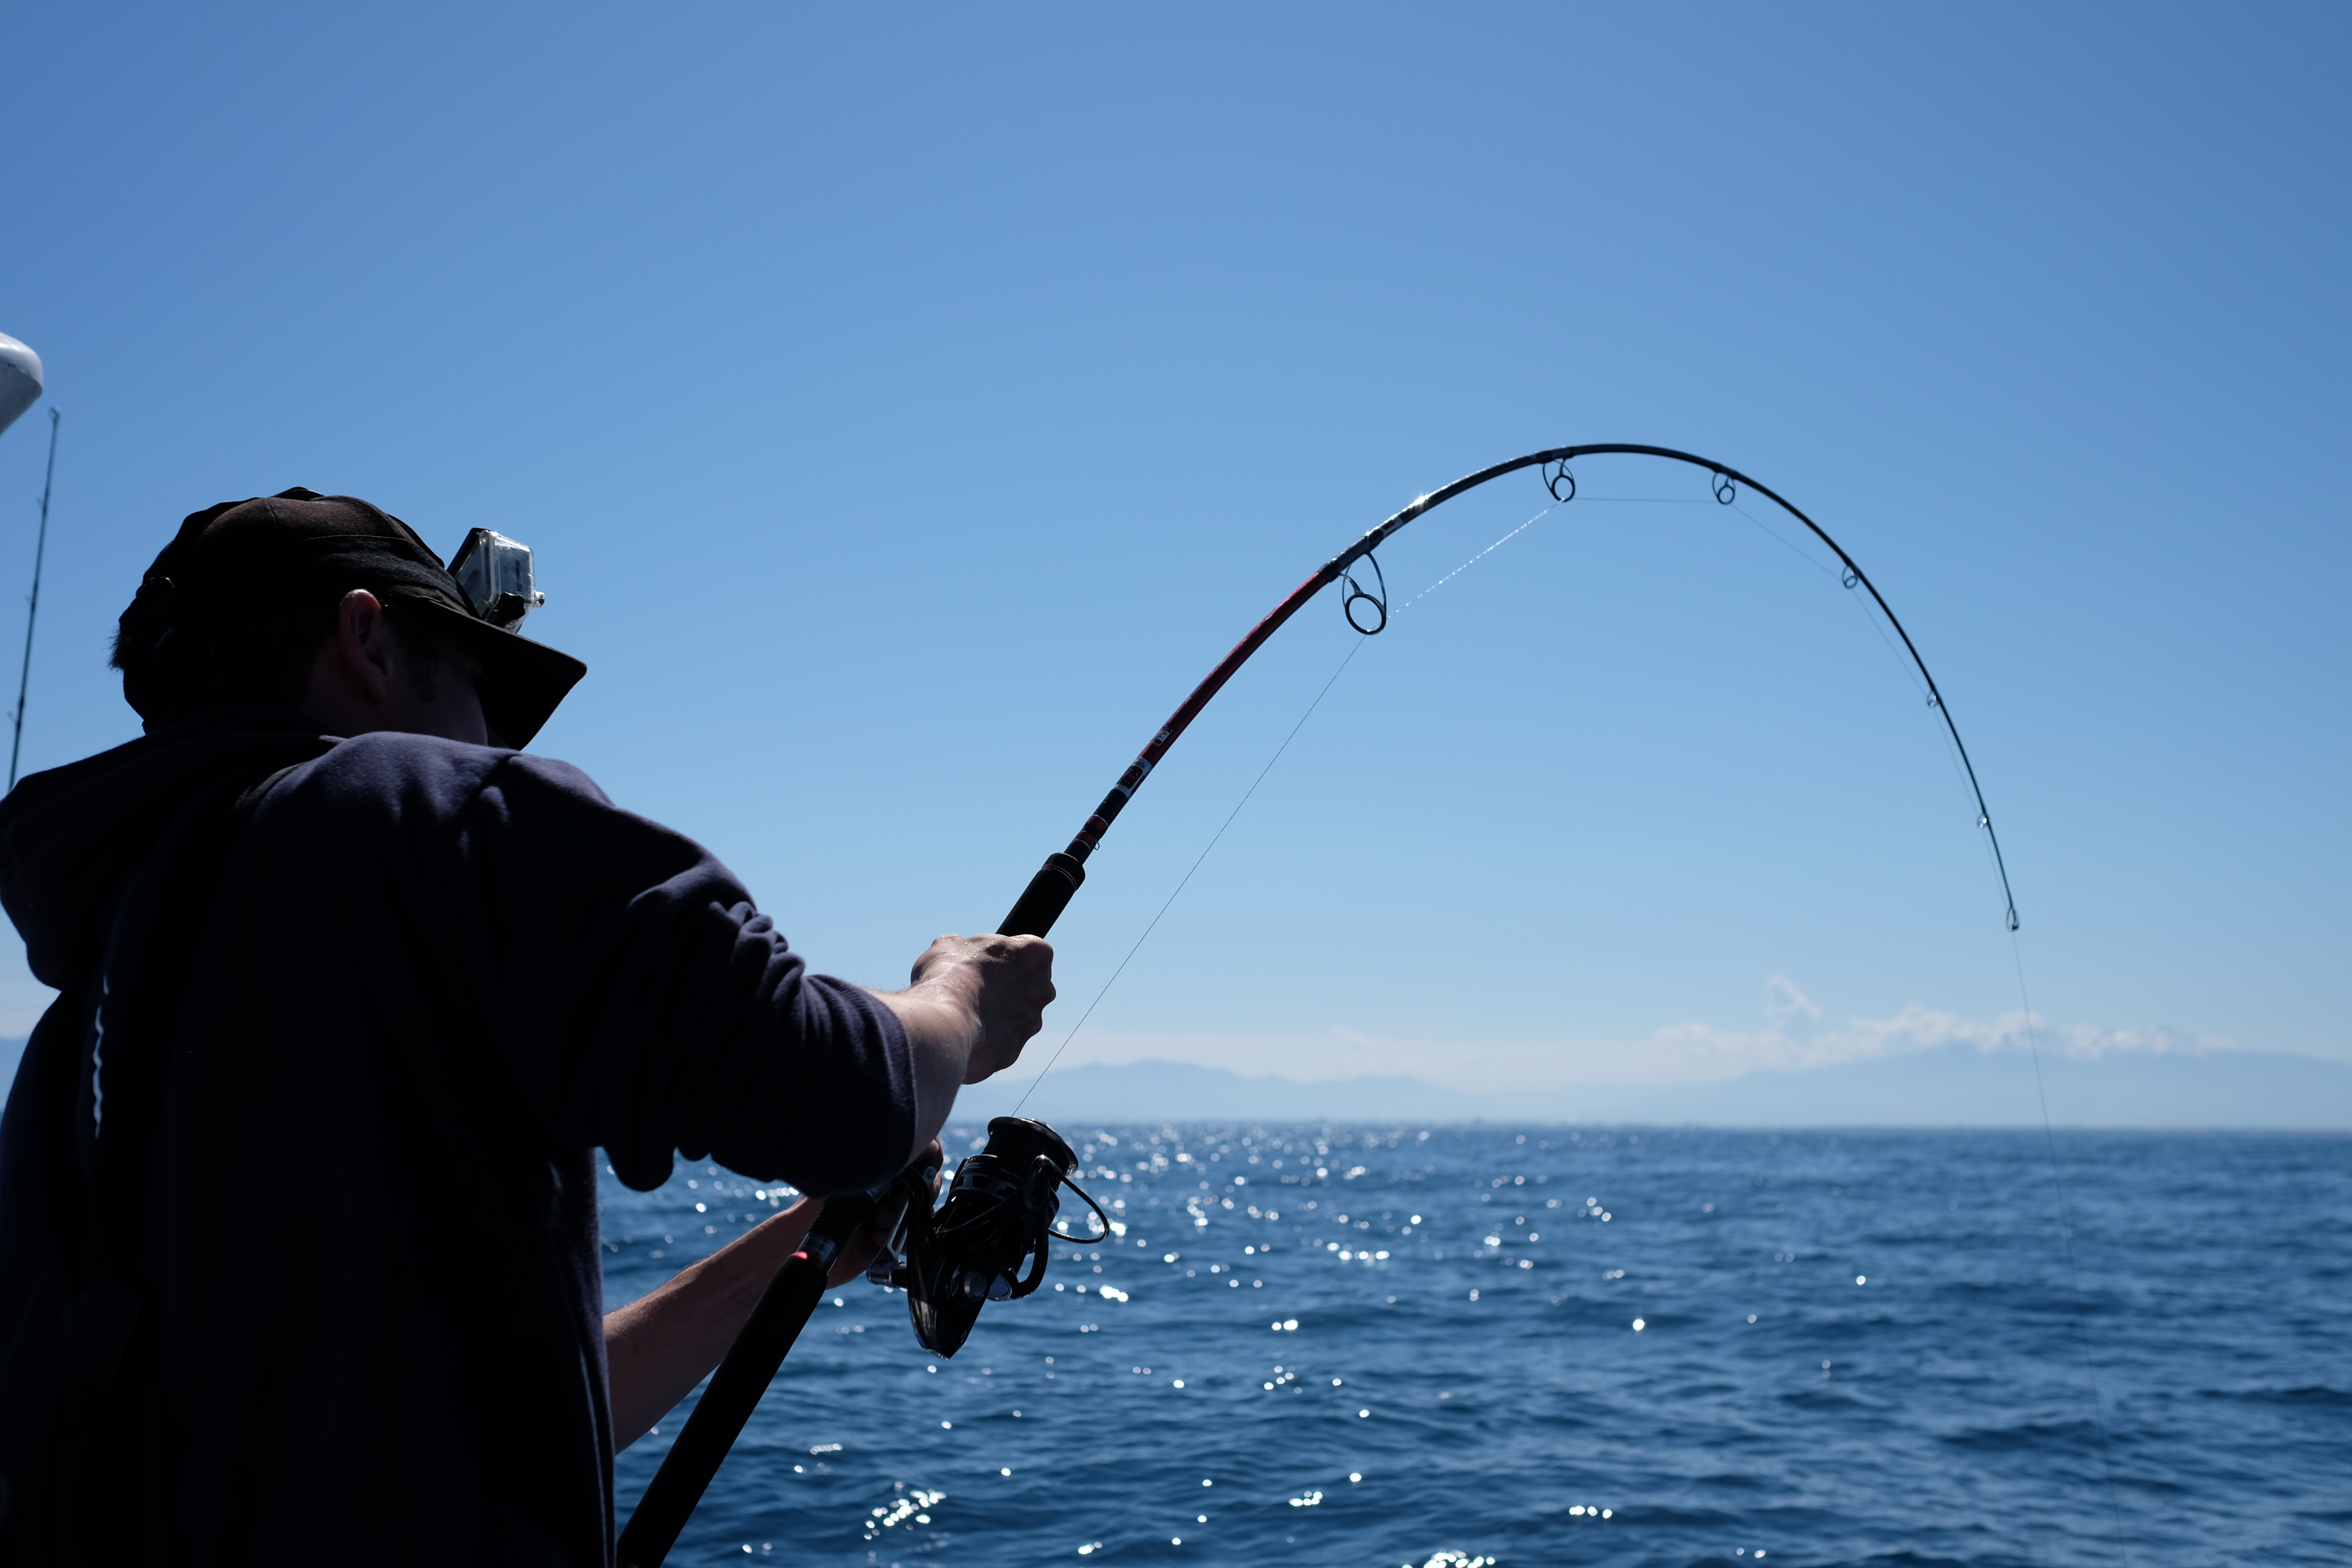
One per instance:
(1853, 1348)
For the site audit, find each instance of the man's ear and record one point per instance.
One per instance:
(362, 649)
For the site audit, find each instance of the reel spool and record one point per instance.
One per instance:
(991, 1240)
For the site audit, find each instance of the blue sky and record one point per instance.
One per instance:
(908, 407)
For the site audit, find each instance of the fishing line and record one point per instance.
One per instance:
(2049, 1137)
(2073, 1270)
(1188, 876)
(1646, 500)
(2034, 1051)
(1776, 536)
(1951, 750)
(1355, 648)
(1473, 561)
(1862, 608)
(1050, 890)
(1792, 547)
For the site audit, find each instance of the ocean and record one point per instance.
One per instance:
(1461, 1346)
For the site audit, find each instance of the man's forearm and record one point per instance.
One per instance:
(940, 1037)
(661, 1344)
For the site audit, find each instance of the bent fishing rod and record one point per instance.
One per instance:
(760, 1349)
(1050, 890)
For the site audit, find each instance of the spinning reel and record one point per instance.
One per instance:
(998, 1218)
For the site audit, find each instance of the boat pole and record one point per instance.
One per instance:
(33, 601)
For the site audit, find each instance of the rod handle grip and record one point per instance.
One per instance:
(1048, 894)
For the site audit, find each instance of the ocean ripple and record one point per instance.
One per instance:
(1456, 1348)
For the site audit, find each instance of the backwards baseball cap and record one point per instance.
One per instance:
(242, 562)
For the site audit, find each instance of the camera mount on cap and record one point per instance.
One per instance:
(495, 574)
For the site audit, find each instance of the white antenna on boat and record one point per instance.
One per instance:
(20, 388)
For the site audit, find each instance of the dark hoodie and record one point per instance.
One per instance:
(397, 1006)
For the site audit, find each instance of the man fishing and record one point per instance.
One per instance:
(340, 968)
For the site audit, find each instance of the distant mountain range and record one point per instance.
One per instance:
(1954, 1086)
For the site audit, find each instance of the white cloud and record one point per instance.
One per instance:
(2086, 1041)
(1784, 1001)
(1711, 1052)
(1792, 1039)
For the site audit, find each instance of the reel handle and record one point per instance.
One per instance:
(751, 1363)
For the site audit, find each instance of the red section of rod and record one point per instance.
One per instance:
(1182, 719)
(1090, 835)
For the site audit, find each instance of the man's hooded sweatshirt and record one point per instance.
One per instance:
(298, 1216)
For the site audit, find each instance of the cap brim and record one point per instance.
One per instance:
(521, 683)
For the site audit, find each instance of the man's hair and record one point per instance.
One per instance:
(269, 658)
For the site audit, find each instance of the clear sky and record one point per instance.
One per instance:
(909, 406)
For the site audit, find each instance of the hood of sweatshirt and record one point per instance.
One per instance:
(70, 837)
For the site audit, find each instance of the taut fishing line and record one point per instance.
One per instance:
(991, 1240)
(1187, 878)
(1050, 888)
(1353, 650)
(2073, 1272)
(2033, 1054)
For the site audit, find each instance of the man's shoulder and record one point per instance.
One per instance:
(404, 773)
(425, 799)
